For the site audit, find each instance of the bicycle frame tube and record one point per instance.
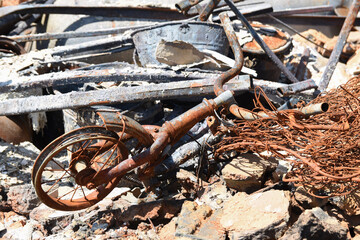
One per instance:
(169, 133)
(173, 130)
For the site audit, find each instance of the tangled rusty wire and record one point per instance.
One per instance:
(324, 149)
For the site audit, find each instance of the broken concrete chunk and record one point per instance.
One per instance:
(163, 209)
(353, 65)
(54, 219)
(189, 181)
(258, 216)
(246, 172)
(191, 217)
(316, 224)
(177, 53)
(215, 195)
(23, 232)
(168, 231)
(23, 198)
(12, 220)
(212, 229)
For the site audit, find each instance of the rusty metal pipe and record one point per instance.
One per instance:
(309, 110)
(205, 13)
(239, 58)
(149, 155)
(169, 133)
(294, 88)
(184, 5)
(183, 123)
(246, 114)
(314, 109)
(344, 33)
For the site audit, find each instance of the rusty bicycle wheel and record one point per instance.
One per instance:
(62, 170)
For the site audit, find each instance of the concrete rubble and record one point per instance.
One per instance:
(104, 133)
(212, 212)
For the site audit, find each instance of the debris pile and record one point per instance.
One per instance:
(179, 120)
(322, 148)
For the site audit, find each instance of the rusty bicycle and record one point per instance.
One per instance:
(89, 162)
(81, 167)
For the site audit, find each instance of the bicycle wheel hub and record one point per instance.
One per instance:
(84, 176)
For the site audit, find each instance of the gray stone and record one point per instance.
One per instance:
(160, 209)
(37, 235)
(54, 220)
(316, 224)
(12, 158)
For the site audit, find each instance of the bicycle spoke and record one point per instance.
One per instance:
(67, 193)
(83, 193)
(103, 154)
(72, 196)
(55, 183)
(49, 181)
(62, 167)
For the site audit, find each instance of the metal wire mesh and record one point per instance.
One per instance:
(324, 149)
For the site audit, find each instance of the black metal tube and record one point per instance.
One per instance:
(184, 5)
(344, 33)
(262, 44)
(205, 13)
(301, 69)
(294, 88)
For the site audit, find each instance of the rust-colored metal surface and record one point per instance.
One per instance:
(97, 157)
(14, 129)
(53, 168)
(323, 148)
(276, 41)
(263, 45)
(10, 46)
(239, 58)
(205, 13)
(94, 159)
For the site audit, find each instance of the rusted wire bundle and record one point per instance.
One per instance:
(324, 149)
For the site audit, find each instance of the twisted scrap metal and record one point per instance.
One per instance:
(324, 149)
